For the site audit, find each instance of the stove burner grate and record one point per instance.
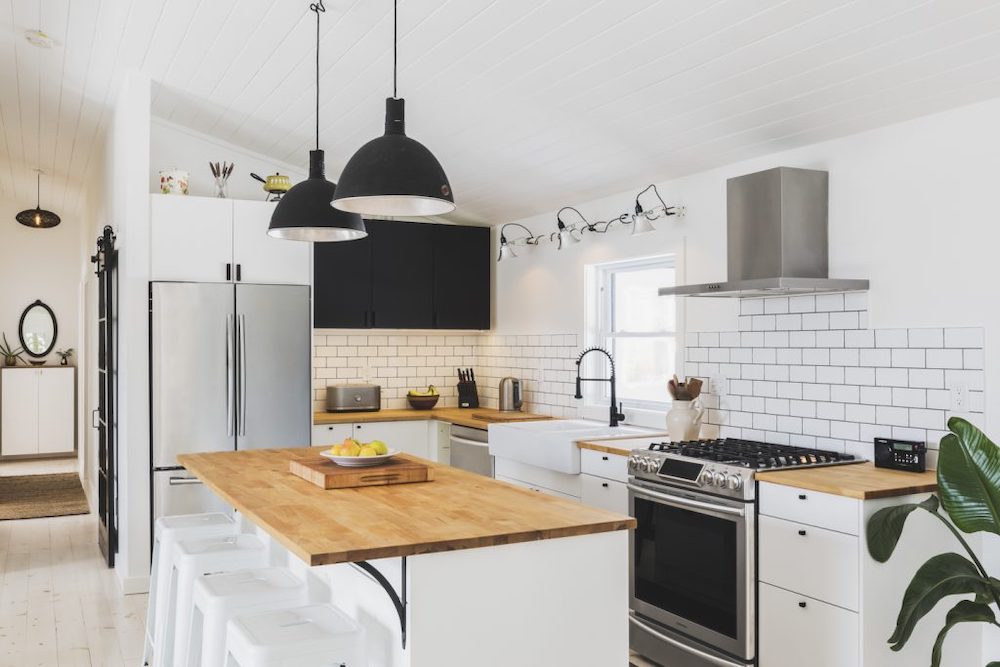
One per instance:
(750, 453)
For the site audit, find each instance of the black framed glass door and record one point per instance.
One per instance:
(104, 417)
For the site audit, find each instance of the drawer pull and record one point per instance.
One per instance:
(604, 458)
(802, 496)
(802, 605)
(604, 484)
(802, 532)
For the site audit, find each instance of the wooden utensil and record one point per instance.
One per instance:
(328, 475)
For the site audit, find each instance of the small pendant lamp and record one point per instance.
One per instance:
(38, 217)
(304, 212)
(394, 175)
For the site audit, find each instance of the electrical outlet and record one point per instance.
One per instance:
(717, 385)
(960, 398)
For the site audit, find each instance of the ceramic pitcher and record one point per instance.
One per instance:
(684, 420)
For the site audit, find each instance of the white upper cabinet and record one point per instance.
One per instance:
(191, 239)
(262, 258)
(205, 239)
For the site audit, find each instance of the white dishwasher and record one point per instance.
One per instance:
(470, 450)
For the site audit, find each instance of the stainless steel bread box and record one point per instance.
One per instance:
(353, 398)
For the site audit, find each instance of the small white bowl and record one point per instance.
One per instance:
(359, 461)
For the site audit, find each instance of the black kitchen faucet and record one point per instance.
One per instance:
(616, 414)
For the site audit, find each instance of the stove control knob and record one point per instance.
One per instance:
(706, 478)
(633, 462)
(651, 465)
(720, 479)
(734, 482)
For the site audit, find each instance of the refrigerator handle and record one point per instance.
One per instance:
(242, 329)
(230, 376)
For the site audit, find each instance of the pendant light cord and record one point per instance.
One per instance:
(395, 4)
(318, 8)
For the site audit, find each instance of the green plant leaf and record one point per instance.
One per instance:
(969, 478)
(941, 576)
(885, 527)
(965, 611)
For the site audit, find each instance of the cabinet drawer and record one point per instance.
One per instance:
(539, 489)
(820, 563)
(324, 435)
(604, 493)
(812, 507)
(796, 630)
(602, 464)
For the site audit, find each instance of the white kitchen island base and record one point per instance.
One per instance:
(551, 602)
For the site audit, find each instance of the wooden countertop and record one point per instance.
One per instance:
(458, 510)
(858, 480)
(460, 416)
(606, 446)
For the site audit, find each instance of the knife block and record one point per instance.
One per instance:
(468, 395)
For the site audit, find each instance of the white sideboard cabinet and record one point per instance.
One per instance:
(37, 411)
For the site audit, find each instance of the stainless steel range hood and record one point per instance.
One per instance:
(777, 244)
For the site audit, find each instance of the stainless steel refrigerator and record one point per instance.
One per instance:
(230, 369)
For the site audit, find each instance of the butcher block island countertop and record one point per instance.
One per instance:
(458, 510)
(471, 417)
(857, 480)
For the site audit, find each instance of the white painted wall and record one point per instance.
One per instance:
(40, 264)
(176, 146)
(913, 208)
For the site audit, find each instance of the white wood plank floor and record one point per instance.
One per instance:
(60, 606)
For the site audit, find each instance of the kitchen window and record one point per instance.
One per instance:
(638, 327)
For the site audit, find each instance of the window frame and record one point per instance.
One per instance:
(601, 333)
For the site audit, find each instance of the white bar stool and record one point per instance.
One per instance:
(311, 636)
(220, 597)
(167, 531)
(193, 558)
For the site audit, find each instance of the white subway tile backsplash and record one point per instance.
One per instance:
(708, 339)
(963, 337)
(827, 302)
(819, 378)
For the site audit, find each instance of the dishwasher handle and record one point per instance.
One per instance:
(466, 441)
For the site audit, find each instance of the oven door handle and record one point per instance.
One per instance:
(707, 657)
(685, 502)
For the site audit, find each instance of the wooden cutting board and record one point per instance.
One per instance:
(510, 417)
(328, 475)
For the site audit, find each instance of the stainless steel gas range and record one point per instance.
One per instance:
(693, 570)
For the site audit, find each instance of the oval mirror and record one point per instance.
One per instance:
(38, 329)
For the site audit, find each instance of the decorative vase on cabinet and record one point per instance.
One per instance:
(684, 420)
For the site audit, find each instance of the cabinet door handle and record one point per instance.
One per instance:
(802, 532)
(802, 496)
(229, 271)
(239, 272)
(604, 458)
(802, 605)
(604, 484)
(373, 320)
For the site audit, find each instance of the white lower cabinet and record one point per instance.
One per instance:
(37, 411)
(533, 487)
(602, 480)
(325, 435)
(796, 630)
(411, 437)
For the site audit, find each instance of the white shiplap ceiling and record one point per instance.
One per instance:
(529, 104)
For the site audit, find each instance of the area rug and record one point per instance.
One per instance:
(35, 496)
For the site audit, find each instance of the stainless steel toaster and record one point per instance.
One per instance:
(353, 398)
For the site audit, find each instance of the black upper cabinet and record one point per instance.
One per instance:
(342, 279)
(462, 277)
(402, 275)
(405, 275)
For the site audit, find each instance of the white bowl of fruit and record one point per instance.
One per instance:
(358, 454)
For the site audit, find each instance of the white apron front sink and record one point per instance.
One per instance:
(551, 444)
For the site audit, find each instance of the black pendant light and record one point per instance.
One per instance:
(304, 212)
(394, 175)
(38, 217)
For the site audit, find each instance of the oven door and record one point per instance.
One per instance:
(692, 565)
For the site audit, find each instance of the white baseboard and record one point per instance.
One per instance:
(133, 585)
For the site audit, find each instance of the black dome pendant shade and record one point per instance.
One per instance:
(38, 217)
(304, 213)
(394, 175)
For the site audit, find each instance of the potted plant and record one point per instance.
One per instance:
(10, 355)
(968, 477)
(64, 356)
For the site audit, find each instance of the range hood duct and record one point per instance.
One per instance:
(777, 238)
